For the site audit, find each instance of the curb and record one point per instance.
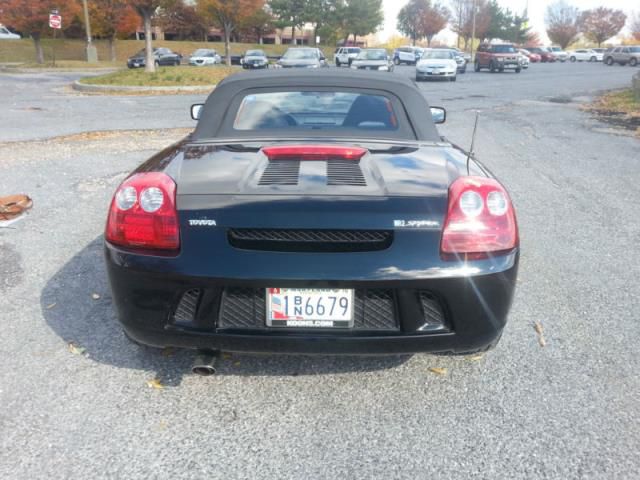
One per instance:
(83, 87)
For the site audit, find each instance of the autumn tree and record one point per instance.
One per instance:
(435, 20)
(562, 21)
(109, 18)
(258, 25)
(409, 20)
(462, 19)
(147, 9)
(183, 20)
(602, 23)
(32, 17)
(634, 26)
(228, 15)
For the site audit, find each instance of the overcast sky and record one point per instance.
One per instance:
(536, 11)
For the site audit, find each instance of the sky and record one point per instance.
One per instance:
(536, 12)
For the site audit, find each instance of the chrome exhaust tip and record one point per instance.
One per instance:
(205, 363)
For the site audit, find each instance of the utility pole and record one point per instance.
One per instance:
(92, 53)
(473, 28)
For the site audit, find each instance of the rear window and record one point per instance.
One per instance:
(503, 49)
(316, 110)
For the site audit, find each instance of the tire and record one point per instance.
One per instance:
(396, 61)
(573, 59)
(593, 59)
(418, 79)
(476, 66)
(492, 67)
(156, 63)
(633, 62)
(350, 61)
(608, 61)
(454, 78)
(500, 69)
(518, 70)
(338, 64)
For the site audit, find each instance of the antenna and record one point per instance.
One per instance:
(473, 140)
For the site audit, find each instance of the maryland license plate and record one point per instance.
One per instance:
(310, 307)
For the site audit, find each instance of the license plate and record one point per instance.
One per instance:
(435, 72)
(309, 307)
(136, 64)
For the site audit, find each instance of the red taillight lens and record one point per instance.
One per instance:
(480, 220)
(143, 214)
(314, 152)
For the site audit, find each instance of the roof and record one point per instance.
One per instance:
(415, 104)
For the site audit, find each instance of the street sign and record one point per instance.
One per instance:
(55, 21)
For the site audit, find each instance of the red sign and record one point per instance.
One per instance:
(55, 21)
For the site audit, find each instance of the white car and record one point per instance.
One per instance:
(523, 59)
(345, 55)
(585, 55)
(558, 54)
(204, 56)
(437, 63)
(5, 34)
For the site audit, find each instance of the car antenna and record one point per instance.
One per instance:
(473, 140)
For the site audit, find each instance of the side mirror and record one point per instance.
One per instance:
(196, 110)
(438, 114)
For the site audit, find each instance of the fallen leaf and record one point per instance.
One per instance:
(226, 356)
(49, 307)
(538, 327)
(475, 358)
(168, 352)
(95, 296)
(155, 383)
(76, 350)
(438, 370)
(542, 341)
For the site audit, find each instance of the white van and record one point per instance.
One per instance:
(5, 34)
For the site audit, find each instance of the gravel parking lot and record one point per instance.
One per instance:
(568, 410)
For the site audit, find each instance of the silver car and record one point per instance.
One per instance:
(628, 54)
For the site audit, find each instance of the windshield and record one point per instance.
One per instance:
(438, 54)
(300, 54)
(255, 53)
(634, 49)
(315, 110)
(503, 49)
(203, 52)
(372, 55)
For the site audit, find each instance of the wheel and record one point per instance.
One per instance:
(501, 69)
(476, 66)
(518, 70)
(350, 61)
(454, 78)
(157, 63)
(593, 59)
(573, 59)
(418, 79)
(338, 63)
(633, 62)
(492, 67)
(609, 61)
(464, 70)
(396, 61)
(176, 63)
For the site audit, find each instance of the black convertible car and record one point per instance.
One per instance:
(313, 212)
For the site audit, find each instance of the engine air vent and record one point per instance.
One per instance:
(281, 172)
(345, 172)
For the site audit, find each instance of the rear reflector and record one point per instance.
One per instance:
(143, 214)
(314, 152)
(480, 220)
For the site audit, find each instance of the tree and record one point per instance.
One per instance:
(499, 21)
(634, 26)
(321, 13)
(362, 17)
(184, 21)
(228, 14)
(290, 13)
(147, 9)
(434, 21)
(602, 23)
(410, 22)
(562, 22)
(110, 18)
(32, 17)
(462, 19)
(258, 24)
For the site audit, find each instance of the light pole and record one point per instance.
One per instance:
(92, 53)
(473, 28)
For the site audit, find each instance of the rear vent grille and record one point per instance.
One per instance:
(281, 172)
(431, 309)
(345, 172)
(310, 240)
(187, 307)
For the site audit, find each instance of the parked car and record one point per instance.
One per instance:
(599, 50)
(584, 55)
(162, 56)
(254, 60)
(437, 63)
(545, 55)
(345, 55)
(558, 54)
(524, 60)
(465, 55)
(204, 56)
(302, 57)
(628, 54)
(497, 58)
(373, 59)
(407, 55)
(313, 212)
(533, 57)
(461, 62)
(6, 34)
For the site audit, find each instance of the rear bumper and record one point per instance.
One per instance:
(473, 310)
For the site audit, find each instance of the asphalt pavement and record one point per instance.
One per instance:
(77, 400)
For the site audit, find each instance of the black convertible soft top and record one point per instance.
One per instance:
(212, 119)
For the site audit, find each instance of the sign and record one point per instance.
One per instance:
(55, 21)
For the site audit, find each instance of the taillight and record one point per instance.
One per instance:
(143, 214)
(314, 152)
(480, 220)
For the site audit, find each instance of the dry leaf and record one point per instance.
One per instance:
(475, 358)
(538, 327)
(95, 296)
(155, 383)
(76, 350)
(542, 341)
(438, 370)
(49, 307)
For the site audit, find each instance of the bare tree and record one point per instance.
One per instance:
(434, 21)
(634, 25)
(602, 23)
(562, 22)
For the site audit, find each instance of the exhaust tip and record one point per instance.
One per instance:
(205, 363)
